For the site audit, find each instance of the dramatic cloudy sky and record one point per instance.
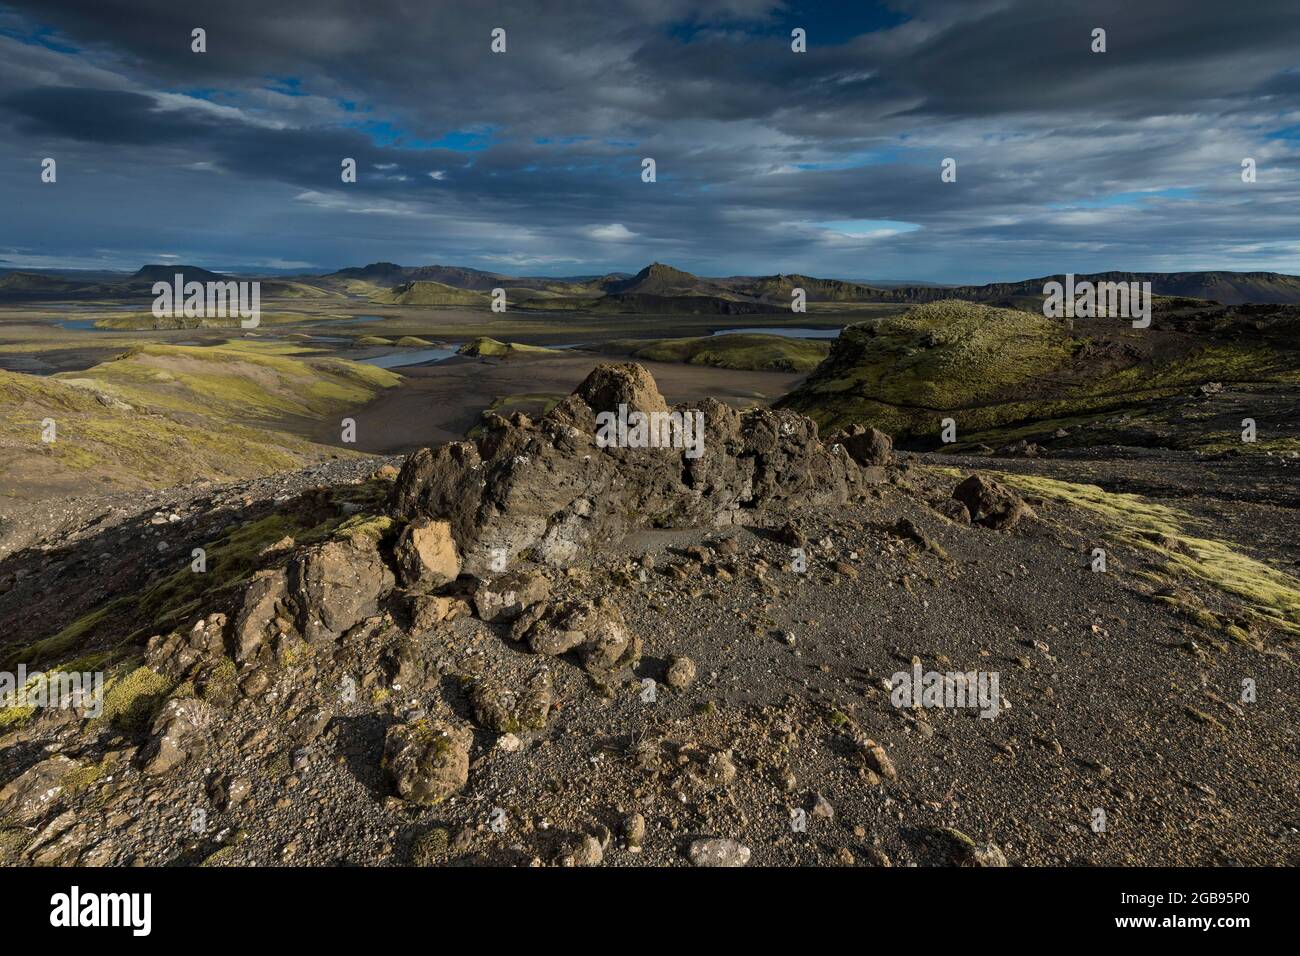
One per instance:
(826, 162)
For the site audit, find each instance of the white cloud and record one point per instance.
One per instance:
(614, 232)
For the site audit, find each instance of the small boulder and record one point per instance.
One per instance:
(954, 511)
(991, 504)
(633, 827)
(866, 446)
(681, 672)
(428, 610)
(875, 757)
(427, 760)
(595, 629)
(503, 711)
(509, 595)
(963, 851)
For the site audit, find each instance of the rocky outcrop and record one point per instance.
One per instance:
(175, 653)
(549, 491)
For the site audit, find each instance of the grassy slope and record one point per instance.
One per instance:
(107, 637)
(159, 415)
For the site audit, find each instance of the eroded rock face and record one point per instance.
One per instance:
(428, 760)
(338, 584)
(175, 653)
(260, 615)
(27, 797)
(426, 554)
(991, 504)
(179, 732)
(548, 491)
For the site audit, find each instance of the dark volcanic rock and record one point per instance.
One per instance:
(991, 504)
(548, 491)
(867, 446)
(264, 602)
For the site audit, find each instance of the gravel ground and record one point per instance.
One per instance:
(1108, 700)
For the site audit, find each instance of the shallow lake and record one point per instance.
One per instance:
(410, 357)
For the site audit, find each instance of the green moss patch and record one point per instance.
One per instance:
(1266, 595)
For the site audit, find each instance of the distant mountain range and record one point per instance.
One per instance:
(657, 288)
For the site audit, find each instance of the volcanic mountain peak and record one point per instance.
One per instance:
(155, 272)
(660, 279)
(373, 270)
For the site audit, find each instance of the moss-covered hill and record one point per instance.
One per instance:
(486, 347)
(159, 415)
(997, 370)
(431, 293)
(750, 352)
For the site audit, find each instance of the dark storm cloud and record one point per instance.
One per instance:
(1066, 158)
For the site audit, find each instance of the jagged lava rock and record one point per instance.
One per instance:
(991, 504)
(547, 488)
(865, 445)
